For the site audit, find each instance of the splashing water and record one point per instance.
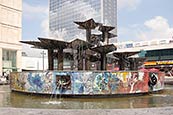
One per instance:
(52, 103)
(56, 100)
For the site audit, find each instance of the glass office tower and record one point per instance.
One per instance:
(62, 14)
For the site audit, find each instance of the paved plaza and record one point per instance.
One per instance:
(144, 111)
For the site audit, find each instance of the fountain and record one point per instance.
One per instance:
(81, 80)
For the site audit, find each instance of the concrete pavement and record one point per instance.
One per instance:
(143, 111)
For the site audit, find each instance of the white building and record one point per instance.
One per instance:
(34, 59)
(10, 35)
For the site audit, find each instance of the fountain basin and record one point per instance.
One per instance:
(87, 83)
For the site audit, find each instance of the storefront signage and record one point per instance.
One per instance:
(169, 62)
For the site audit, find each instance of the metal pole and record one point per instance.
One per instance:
(43, 60)
(42, 53)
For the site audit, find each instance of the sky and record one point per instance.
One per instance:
(137, 20)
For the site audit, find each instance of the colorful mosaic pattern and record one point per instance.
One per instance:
(87, 83)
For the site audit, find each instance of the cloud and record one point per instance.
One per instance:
(32, 12)
(37, 13)
(155, 28)
(157, 24)
(128, 4)
(45, 27)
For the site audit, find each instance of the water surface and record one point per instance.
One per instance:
(18, 100)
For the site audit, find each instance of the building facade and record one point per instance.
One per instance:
(62, 14)
(158, 53)
(34, 59)
(10, 35)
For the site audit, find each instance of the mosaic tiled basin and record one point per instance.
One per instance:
(87, 83)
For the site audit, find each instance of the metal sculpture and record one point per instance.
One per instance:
(88, 26)
(101, 48)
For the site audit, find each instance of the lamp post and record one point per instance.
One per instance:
(43, 53)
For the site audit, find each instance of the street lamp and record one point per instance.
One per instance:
(43, 53)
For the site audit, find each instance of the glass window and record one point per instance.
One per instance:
(9, 58)
(73, 10)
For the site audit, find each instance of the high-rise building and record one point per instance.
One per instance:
(62, 14)
(10, 35)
